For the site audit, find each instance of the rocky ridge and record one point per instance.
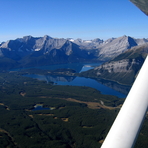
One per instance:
(37, 51)
(124, 68)
(109, 49)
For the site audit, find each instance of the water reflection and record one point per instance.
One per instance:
(124, 89)
(51, 78)
(39, 107)
(106, 87)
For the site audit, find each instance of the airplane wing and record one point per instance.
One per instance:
(126, 126)
(142, 5)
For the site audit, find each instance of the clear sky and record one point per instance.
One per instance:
(86, 19)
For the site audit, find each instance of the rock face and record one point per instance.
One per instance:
(30, 51)
(28, 44)
(86, 44)
(37, 51)
(109, 49)
(115, 46)
(123, 68)
(67, 53)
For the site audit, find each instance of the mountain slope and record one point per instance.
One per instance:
(109, 49)
(115, 46)
(86, 44)
(66, 52)
(30, 51)
(123, 68)
(38, 51)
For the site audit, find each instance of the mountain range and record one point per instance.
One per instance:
(29, 51)
(123, 68)
(37, 51)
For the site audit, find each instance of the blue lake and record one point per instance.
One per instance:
(40, 108)
(105, 87)
(78, 81)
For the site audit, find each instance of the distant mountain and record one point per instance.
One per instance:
(30, 51)
(67, 53)
(109, 49)
(37, 51)
(86, 44)
(115, 46)
(123, 68)
(16, 49)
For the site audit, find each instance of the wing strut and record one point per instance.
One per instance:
(126, 126)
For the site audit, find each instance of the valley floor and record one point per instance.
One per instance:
(74, 115)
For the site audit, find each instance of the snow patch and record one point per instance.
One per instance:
(72, 40)
(88, 41)
(37, 49)
(20, 49)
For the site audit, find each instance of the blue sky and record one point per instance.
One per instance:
(86, 19)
